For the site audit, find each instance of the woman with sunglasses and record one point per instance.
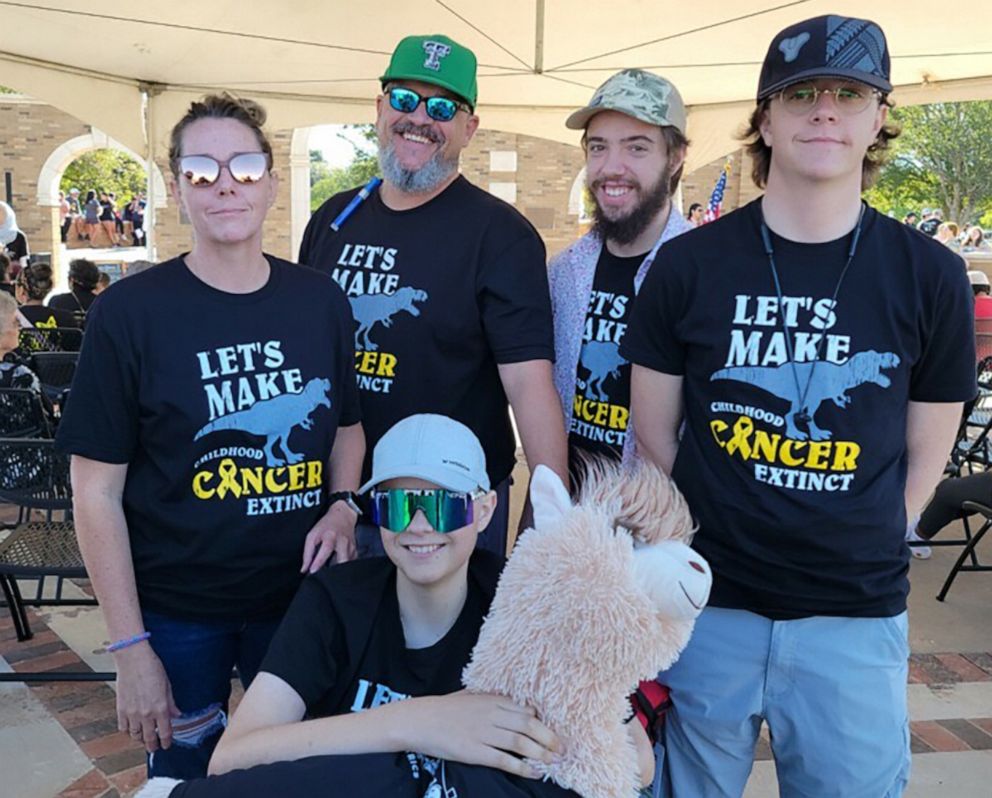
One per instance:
(360, 638)
(213, 444)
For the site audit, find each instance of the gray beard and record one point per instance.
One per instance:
(427, 178)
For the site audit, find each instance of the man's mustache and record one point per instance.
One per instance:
(426, 131)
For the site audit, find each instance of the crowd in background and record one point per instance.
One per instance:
(950, 234)
(99, 210)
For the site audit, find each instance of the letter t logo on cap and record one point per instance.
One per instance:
(435, 52)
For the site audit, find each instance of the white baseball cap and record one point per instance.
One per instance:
(431, 447)
(976, 277)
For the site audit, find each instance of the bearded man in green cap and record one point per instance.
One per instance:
(446, 282)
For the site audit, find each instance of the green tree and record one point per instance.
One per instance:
(105, 170)
(901, 188)
(943, 158)
(319, 168)
(326, 182)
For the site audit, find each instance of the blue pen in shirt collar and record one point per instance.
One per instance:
(357, 200)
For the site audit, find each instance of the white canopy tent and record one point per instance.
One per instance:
(316, 62)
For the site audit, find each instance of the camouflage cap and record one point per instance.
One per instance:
(642, 95)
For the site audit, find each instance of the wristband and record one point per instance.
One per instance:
(350, 498)
(127, 642)
(650, 702)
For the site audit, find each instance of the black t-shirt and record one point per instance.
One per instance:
(225, 407)
(40, 316)
(15, 250)
(441, 294)
(601, 403)
(803, 519)
(929, 226)
(76, 301)
(341, 644)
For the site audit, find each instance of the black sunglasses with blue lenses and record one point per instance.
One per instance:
(445, 510)
(440, 109)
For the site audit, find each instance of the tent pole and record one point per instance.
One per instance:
(149, 92)
(539, 37)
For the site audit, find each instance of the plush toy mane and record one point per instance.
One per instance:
(572, 631)
(642, 497)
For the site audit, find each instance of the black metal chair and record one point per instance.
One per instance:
(22, 414)
(971, 453)
(973, 448)
(35, 476)
(55, 370)
(968, 552)
(50, 339)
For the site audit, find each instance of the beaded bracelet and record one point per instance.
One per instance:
(127, 642)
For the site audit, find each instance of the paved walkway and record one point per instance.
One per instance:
(62, 739)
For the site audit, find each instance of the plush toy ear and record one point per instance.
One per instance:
(548, 497)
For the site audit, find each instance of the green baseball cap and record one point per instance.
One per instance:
(639, 94)
(438, 60)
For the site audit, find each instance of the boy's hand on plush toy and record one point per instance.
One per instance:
(488, 730)
(645, 753)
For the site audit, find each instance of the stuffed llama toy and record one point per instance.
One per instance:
(597, 597)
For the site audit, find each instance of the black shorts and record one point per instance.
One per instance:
(369, 775)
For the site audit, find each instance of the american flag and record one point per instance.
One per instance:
(716, 198)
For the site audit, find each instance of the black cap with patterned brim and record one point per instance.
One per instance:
(826, 47)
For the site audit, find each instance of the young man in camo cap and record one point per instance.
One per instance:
(634, 142)
(815, 355)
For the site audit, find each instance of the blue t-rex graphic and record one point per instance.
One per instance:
(273, 419)
(830, 381)
(602, 360)
(371, 308)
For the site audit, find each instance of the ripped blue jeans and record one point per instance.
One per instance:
(198, 657)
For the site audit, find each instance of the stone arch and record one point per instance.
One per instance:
(575, 205)
(299, 187)
(63, 155)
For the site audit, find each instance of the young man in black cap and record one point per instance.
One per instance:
(819, 353)
(446, 282)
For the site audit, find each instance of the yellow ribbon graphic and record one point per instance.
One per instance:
(743, 430)
(228, 473)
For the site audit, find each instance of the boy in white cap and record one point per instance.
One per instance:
(361, 638)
